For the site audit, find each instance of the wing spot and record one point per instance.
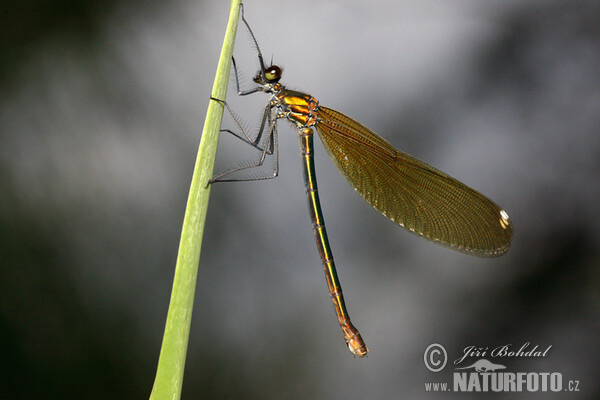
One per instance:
(504, 219)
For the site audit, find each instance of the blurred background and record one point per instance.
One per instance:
(101, 108)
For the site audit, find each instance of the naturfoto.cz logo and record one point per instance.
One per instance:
(483, 375)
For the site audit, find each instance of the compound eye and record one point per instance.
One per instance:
(273, 73)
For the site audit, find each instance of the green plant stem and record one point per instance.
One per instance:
(171, 363)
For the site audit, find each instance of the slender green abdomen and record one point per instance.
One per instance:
(351, 334)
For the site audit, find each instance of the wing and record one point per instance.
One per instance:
(411, 193)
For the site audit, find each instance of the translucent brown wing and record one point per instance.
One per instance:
(411, 193)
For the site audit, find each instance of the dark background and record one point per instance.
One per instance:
(101, 109)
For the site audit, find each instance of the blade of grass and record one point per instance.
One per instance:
(171, 363)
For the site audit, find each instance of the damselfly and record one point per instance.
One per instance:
(413, 194)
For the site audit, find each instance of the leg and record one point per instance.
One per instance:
(270, 147)
(260, 57)
(246, 138)
(268, 121)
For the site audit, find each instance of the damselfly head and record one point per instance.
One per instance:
(272, 75)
